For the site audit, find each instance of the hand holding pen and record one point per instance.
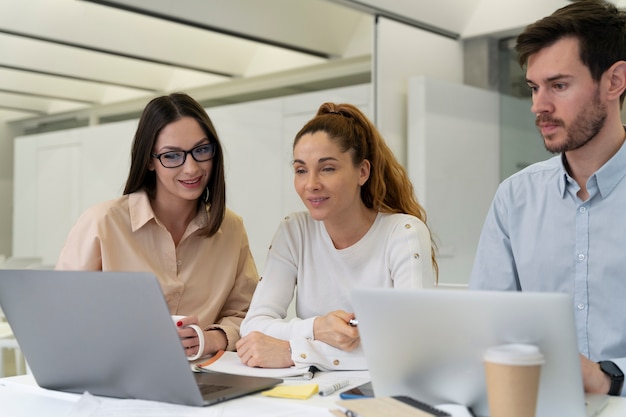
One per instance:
(332, 329)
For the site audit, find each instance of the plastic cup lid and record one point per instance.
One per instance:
(514, 354)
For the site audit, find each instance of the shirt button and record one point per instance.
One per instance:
(407, 226)
(179, 262)
(582, 209)
(580, 306)
(581, 256)
(336, 362)
(416, 255)
(303, 355)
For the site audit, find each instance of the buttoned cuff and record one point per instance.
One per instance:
(306, 352)
(232, 335)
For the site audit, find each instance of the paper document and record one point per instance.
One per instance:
(92, 406)
(456, 410)
(391, 406)
(230, 363)
(19, 400)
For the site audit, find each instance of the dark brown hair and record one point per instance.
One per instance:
(157, 114)
(599, 26)
(388, 188)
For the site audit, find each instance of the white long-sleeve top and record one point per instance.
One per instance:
(394, 253)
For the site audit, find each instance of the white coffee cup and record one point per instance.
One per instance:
(198, 330)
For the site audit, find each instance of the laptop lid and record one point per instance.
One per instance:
(109, 333)
(429, 344)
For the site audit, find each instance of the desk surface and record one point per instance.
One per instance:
(21, 397)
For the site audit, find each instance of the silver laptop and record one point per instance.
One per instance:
(428, 344)
(108, 333)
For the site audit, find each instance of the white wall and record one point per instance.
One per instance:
(59, 174)
(454, 153)
(401, 52)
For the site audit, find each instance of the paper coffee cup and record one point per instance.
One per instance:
(512, 374)
(200, 334)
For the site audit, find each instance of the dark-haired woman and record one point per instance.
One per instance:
(172, 221)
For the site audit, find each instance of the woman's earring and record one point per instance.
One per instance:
(207, 194)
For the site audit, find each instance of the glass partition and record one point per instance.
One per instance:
(520, 141)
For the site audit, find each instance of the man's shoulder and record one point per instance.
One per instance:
(539, 173)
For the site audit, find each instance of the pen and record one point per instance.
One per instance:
(309, 374)
(353, 322)
(334, 388)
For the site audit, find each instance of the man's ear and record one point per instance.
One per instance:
(617, 80)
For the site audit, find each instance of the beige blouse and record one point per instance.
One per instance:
(213, 278)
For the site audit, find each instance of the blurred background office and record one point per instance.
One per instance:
(439, 78)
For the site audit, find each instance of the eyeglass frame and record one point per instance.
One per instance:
(212, 145)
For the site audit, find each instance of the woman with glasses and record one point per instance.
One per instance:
(363, 228)
(172, 221)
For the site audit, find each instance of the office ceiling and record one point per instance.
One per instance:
(61, 56)
(65, 55)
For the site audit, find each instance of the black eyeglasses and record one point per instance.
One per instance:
(174, 159)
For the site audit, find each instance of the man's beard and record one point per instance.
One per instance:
(581, 131)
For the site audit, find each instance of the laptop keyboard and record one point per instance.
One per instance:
(421, 405)
(211, 388)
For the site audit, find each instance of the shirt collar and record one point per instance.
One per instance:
(563, 178)
(141, 213)
(606, 178)
(611, 173)
(140, 209)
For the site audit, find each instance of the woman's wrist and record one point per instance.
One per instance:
(216, 340)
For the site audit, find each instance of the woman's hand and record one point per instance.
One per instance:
(260, 350)
(333, 329)
(214, 339)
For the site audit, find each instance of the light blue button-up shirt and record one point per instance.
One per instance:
(539, 236)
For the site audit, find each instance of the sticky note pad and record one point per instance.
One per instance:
(299, 392)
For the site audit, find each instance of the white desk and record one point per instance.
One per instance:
(20, 397)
